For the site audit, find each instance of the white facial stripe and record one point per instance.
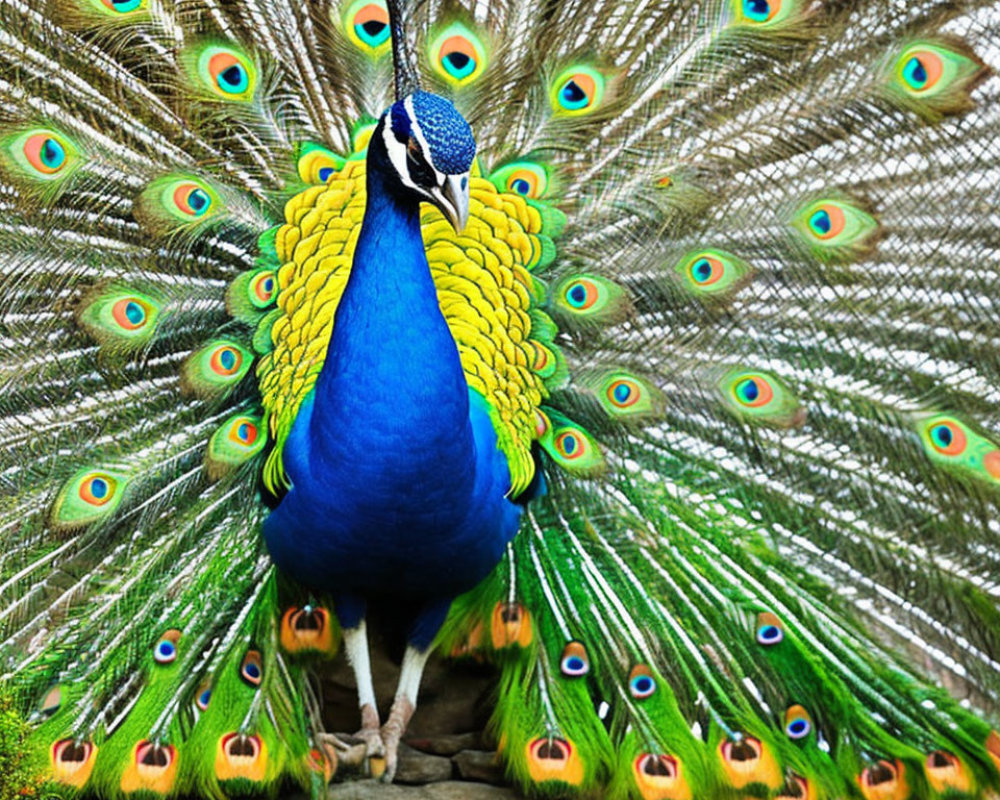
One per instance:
(397, 154)
(419, 136)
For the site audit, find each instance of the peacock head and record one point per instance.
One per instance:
(431, 149)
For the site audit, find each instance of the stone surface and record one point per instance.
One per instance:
(479, 765)
(449, 790)
(415, 767)
(447, 744)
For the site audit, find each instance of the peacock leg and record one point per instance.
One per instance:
(356, 646)
(403, 705)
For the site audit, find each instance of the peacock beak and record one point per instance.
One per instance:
(453, 200)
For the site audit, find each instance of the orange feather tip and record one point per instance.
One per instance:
(553, 759)
(747, 761)
(471, 644)
(946, 773)
(307, 629)
(153, 768)
(322, 760)
(993, 748)
(660, 777)
(52, 701)
(510, 626)
(796, 788)
(72, 762)
(240, 755)
(885, 780)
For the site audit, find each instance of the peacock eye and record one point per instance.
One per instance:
(761, 10)
(224, 71)
(226, 360)
(753, 391)
(229, 74)
(243, 431)
(641, 683)
(623, 393)
(261, 288)
(574, 661)
(98, 489)
(826, 221)
(834, 228)
(770, 631)
(165, 650)
(457, 55)
(922, 70)
(522, 177)
(188, 199)
(948, 438)
(252, 668)
(203, 697)
(581, 294)
(123, 6)
(577, 90)
(131, 313)
(798, 723)
(367, 26)
(43, 154)
(570, 444)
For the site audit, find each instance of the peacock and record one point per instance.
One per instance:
(645, 349)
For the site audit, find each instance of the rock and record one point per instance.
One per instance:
(459, 790)
(449, 790)
(447, 744)
(416, 767)
(479, 765)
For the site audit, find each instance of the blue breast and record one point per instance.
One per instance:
(397, 482)
(371, 527)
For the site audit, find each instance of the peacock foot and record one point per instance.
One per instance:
(364, 749)
(392, 732)
(371, 736)
(350, 750)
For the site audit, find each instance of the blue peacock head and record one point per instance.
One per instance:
(431, 149)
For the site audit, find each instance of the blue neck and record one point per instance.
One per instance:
(392, 393)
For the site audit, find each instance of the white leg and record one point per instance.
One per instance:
(356, 646)
(403, 705)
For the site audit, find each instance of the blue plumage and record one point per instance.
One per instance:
(398, 484)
